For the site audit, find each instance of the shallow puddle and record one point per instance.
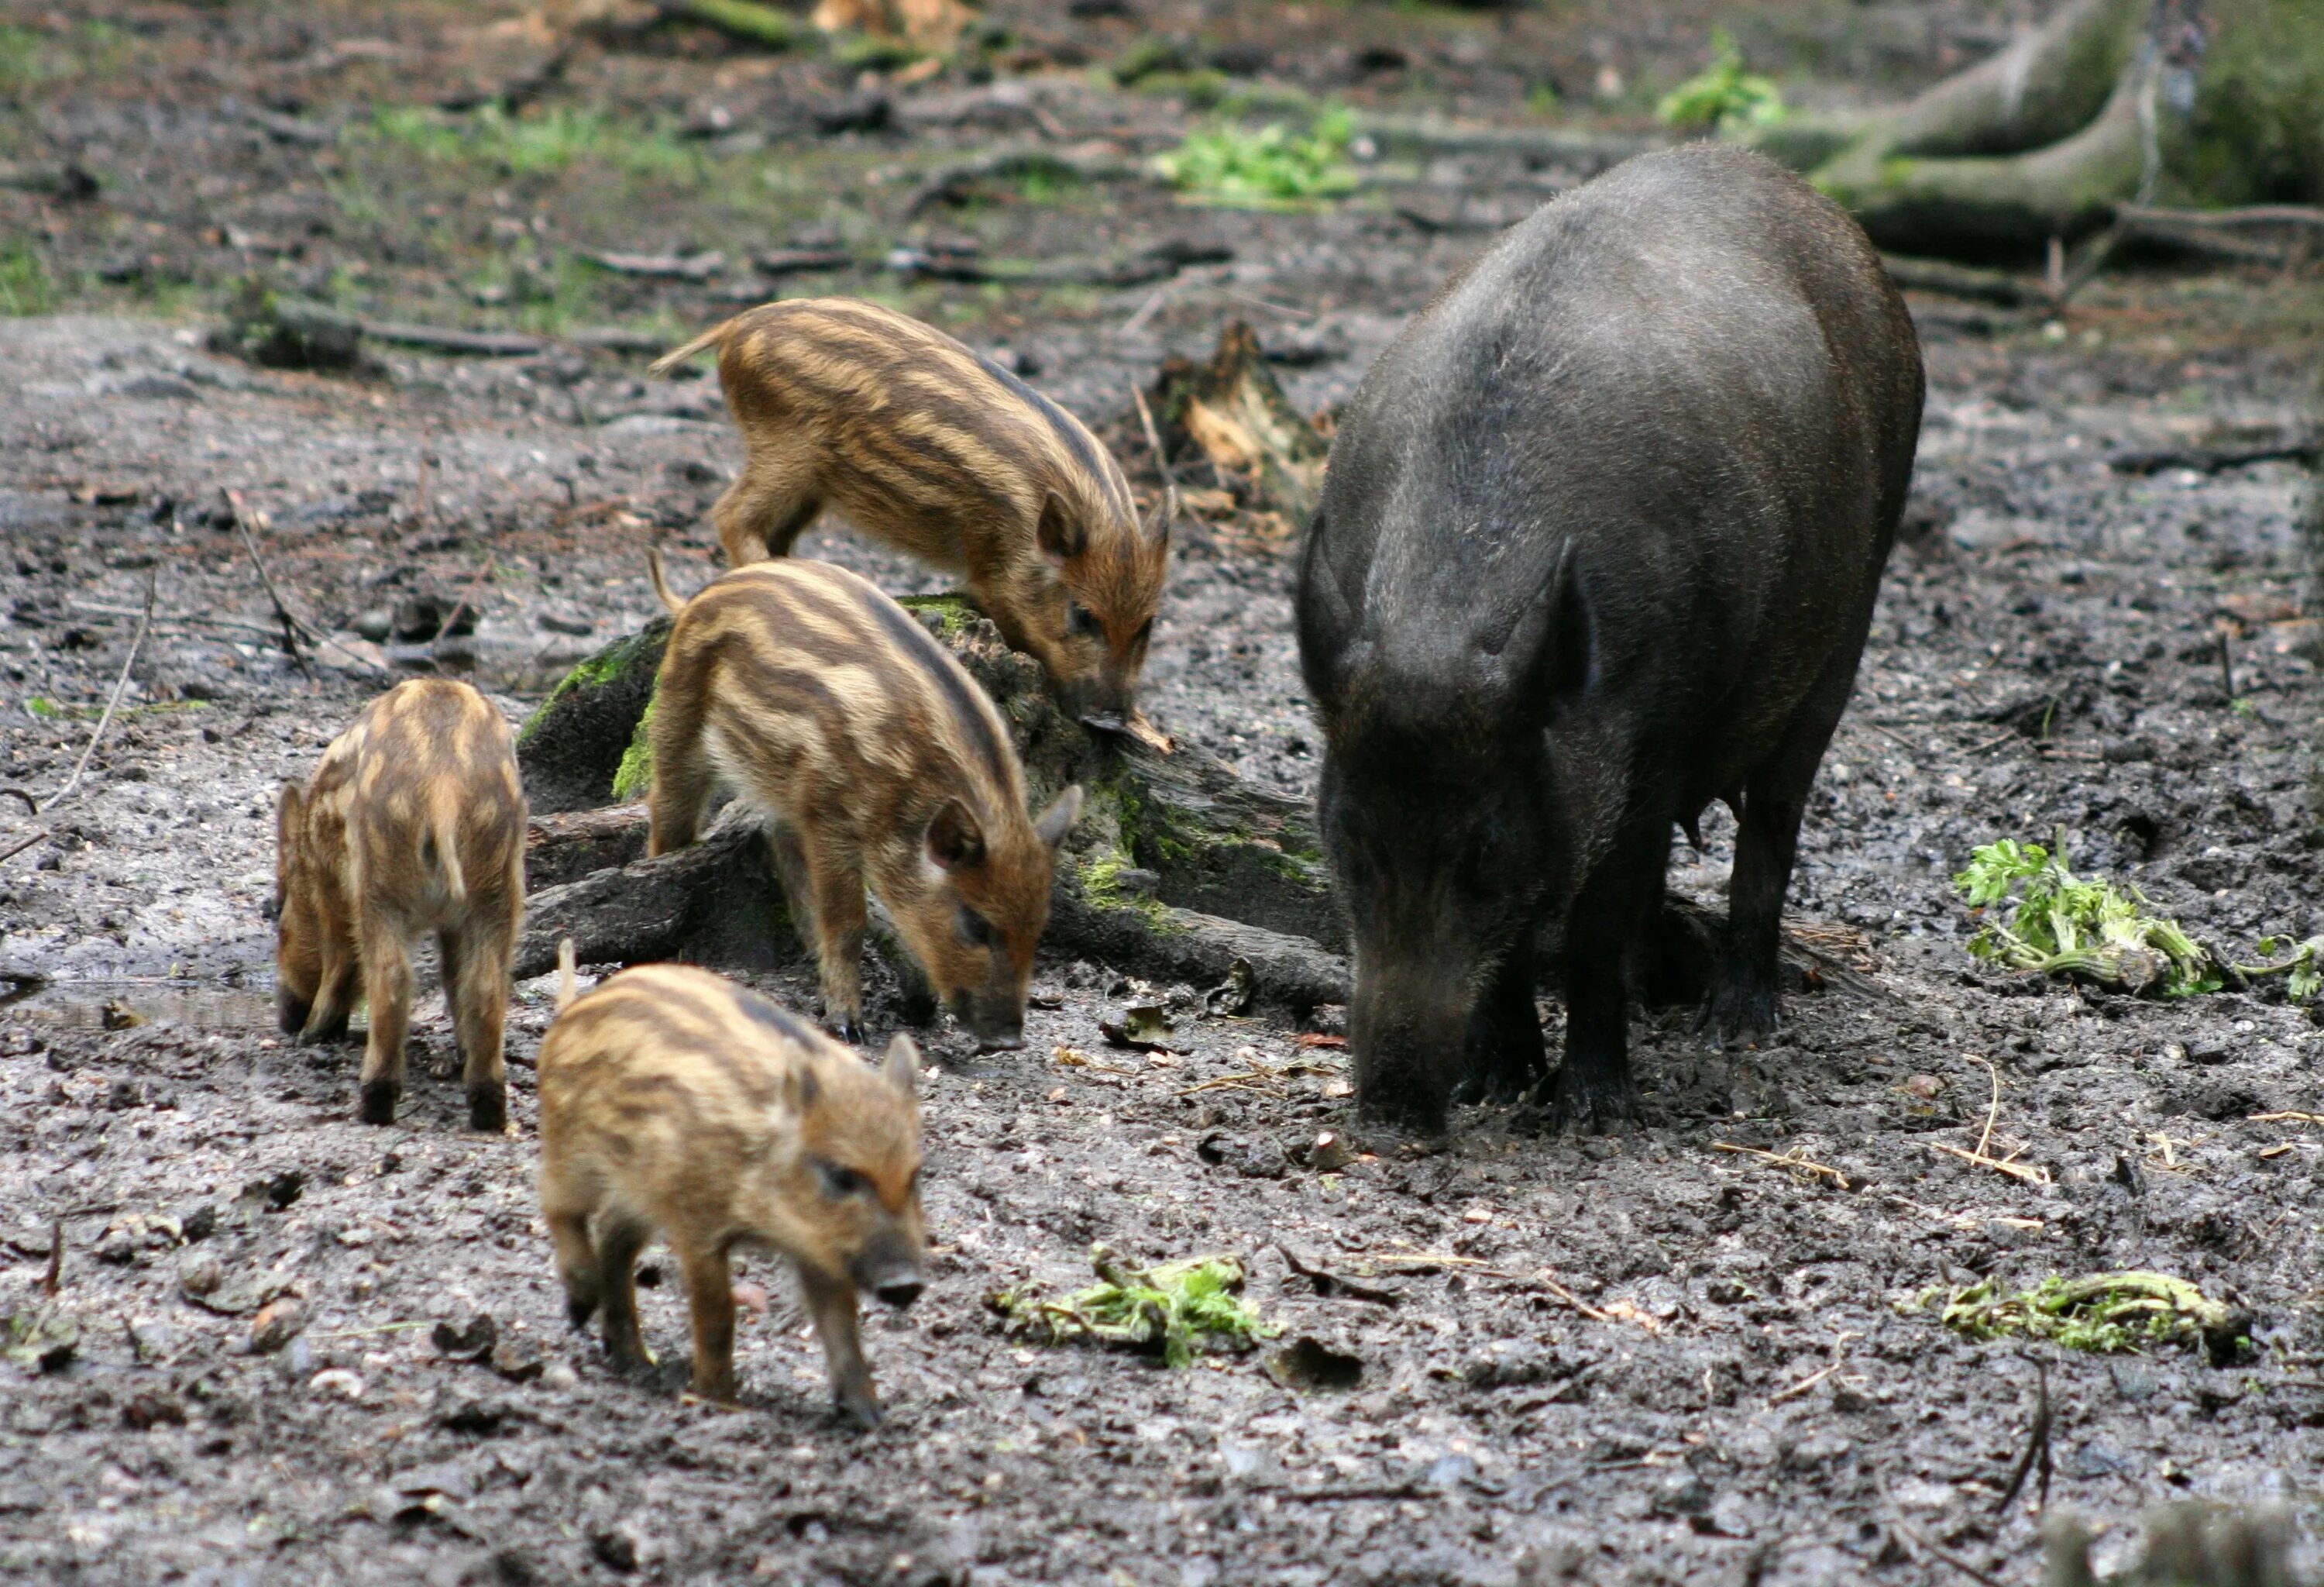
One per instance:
(119, 1005)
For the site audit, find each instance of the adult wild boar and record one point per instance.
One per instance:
(1599, 544)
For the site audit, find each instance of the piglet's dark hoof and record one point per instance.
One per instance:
(1593, 1107)
(861, 1411)
(488, 1108)
(850, 1032)
(378, 1100)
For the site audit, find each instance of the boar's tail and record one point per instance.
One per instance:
(670, 603)
(707, 340)
(440, 847)
(565, 987)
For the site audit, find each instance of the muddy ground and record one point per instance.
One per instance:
(1643, 1358)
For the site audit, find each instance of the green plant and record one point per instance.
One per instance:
(1725, 97)
(536, 143)
(25, 285)
(1168, 1310)
(1267, 168)
(2108, 1314)
(2063, 925)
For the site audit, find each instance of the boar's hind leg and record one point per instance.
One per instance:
(766, 510)
(476, 984)
(710, 1303)
(618, 1241)
(1593, 1087)
(1505, 1051)
(387, 988)
(831, 1302)
(1766, 842)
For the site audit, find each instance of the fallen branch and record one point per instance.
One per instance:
(800, 260)
(1589, 150)
(1996, 287)
(754, 23)
(487, 344)
(120, 687)
(2292, 448)
(661, 266)
(953, 184)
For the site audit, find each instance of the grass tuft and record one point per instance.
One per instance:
(2107, 1314)
(26, 287)
(1724, 98)
(1268, 169)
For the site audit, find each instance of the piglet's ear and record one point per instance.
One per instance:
(289, 812)
(954, 839)
(1058, 819)
(902, 1067)
(1060, 534)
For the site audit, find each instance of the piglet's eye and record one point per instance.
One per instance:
(840, 1181)
(1080, 620)
(976, 930)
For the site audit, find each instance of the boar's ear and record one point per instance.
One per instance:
(954, 839)
(1058, 819)
(1551, 644)
(902, 1067)
(1061, 534)
(1165, 513)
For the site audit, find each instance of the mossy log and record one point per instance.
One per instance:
(1177, 868)
(2095, 110)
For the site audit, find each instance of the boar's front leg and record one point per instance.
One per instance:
(831, 1302)
(1594, 1088)
(1505, 1056)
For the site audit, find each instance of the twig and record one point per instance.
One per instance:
(2031, 1175)
(1801, 1163)
(1992, 1112)
(468, 603)
(32, 805)
(2037, 1445)
(2227, 665)
(291, 625)
(54, 1278)
(12, 852)
(1804, 1385)
(120, 687)
(2284, 1118)
(1911, 1535)
(1161, 458)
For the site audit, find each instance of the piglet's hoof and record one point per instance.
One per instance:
(378, 1100)
(488, 1108)
(861, 1409)
(850, 1032)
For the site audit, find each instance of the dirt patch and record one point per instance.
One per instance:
(1643, 1358)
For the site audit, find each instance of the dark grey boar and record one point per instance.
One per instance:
(1598, 545)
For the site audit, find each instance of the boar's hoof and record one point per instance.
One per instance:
(1594, 1104)
(488, 1108)
(861, 1409)
(850, 1032)
(378, 1100)
(1742, 1011)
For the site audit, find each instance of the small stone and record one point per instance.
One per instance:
(559, 1379)
(278, 1323)
(201, 1274)
(336, 1380)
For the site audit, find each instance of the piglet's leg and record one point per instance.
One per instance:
(566, 1206)
(476, 983)
(618, 1244)
(764, 512)
(710, 1301)
(387, 988)
(839, 919)
(831, 1302)
(335, 992)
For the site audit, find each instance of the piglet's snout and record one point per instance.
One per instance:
(898, 1289)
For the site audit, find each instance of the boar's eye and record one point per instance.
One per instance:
(840, 1182)
(975, 929)
(1079, 620)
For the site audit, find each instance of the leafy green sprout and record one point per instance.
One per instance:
(26, 287)
(1169, 1310)
(1269, 168)
(2061, 924)
(1725, 97)
(2105, 1314)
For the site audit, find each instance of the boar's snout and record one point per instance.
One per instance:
(898, 1289)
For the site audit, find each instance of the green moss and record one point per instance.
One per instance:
(1101, 878)
(2258, 132)
(591, 672)
(634, 775)
(955, 610)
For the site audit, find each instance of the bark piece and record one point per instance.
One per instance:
(715, 902)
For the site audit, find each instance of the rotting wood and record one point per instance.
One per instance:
(1231, 410)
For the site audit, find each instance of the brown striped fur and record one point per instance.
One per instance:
(676, 1103)
(934, 449)
(413, 822)
(813, 696)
